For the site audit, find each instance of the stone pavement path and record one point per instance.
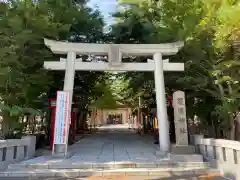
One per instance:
(114, 143)
(111, 144)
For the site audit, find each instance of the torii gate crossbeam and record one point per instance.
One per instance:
(102, 66)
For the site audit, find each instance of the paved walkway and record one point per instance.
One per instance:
(114, 143)
(111, 144)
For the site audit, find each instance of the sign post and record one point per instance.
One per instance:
(62, 120)
(180, 118)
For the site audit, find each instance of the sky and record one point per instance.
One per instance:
(106, 7)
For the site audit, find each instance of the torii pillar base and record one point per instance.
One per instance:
(63, 155)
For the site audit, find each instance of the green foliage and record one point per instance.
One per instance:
(104, 97)
(209, 29)
(24, 85)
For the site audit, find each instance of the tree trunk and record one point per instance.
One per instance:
(78, 116)
(84, 121)
(33, 124)
(81, 121)
(238, 127)
(5, 124)
(48, 125)
(93, 116)
(212, 132)
(233, 129)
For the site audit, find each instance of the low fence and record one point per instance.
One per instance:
(16, 150)
(220, 153)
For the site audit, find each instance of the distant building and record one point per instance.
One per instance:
(118, 115)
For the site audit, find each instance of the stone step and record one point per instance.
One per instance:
(108, 165)
(187, 150)
(160, 172)
(181, 157)
(186, 158)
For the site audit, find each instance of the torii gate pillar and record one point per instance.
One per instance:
(68, 86)
(163, 125)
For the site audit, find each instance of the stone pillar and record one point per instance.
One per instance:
(163, 125)
(31, 144)
(68, 86)
(180, 119)
(182, 147)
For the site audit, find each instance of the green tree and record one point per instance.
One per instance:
(209, 30)
(23, 25)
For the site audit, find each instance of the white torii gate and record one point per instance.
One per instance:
(115, 53)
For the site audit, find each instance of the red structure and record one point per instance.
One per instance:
(169, 99)
(72, 130)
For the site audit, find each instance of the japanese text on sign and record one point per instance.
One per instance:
(183, 130)
(182, 119)
(180, 101)
(181, 110)
(62, 117)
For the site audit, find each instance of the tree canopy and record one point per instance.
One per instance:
(25, 85)
(210, 30)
